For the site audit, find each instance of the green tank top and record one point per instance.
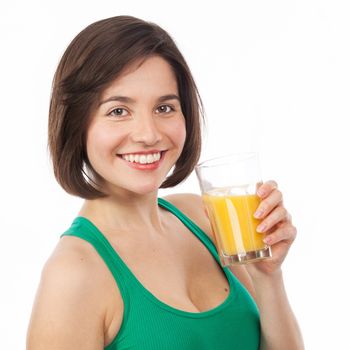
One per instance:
(150, 324)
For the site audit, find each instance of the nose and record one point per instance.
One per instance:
(146, 131)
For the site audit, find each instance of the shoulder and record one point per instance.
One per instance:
(71, 268)
(68, 312)
(192, 206)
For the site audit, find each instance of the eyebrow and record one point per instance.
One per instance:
(126, 99)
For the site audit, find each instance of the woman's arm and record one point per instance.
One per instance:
(279, 327)
(67, 313)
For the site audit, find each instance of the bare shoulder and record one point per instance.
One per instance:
(68, 312)
(192, 206)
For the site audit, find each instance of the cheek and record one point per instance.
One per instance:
(182, 135)
(101, 141)
(178, 131)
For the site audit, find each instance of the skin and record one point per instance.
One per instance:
(78, 304)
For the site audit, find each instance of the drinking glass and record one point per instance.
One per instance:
(228, 185)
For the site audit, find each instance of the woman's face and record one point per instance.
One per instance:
(137, 132)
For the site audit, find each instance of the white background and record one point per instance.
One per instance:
(274, 77)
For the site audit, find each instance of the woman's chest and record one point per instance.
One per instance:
(178, 270)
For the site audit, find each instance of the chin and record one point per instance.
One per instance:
(146, 189)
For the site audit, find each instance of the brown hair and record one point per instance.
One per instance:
(95, 57)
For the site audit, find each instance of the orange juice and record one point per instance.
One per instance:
(233, 223)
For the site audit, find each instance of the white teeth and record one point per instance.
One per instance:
(142, 158)
(150, 158)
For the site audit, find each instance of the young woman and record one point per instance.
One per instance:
(135, 271)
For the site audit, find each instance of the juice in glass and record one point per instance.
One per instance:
(234, 226)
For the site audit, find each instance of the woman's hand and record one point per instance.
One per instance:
(276, 222)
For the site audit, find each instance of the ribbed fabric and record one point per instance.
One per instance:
(150, 324)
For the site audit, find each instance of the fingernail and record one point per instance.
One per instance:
(267, 240)
(261, 227)
(261, 192)
(258, 214)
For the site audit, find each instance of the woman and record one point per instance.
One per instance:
(134, 271)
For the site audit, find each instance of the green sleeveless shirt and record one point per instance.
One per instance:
(150, 324)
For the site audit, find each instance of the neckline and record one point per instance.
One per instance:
(148, 293)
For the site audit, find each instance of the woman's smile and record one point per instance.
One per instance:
(143, 160)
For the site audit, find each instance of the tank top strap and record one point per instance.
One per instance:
(86, 230)
(201, 235)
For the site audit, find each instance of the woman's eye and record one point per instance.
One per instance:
(117, 112)
(165, 109)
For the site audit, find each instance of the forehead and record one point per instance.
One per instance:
(152, 75)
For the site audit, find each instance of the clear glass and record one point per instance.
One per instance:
(228, 185)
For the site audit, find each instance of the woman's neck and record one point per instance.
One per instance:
(127, 213)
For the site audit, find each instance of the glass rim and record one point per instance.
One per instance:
(223, 159)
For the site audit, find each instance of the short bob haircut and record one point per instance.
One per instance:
(95, 57)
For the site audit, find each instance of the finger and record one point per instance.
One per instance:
(277, 215)
(284, 233)
(268, 204)
(266, 188)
